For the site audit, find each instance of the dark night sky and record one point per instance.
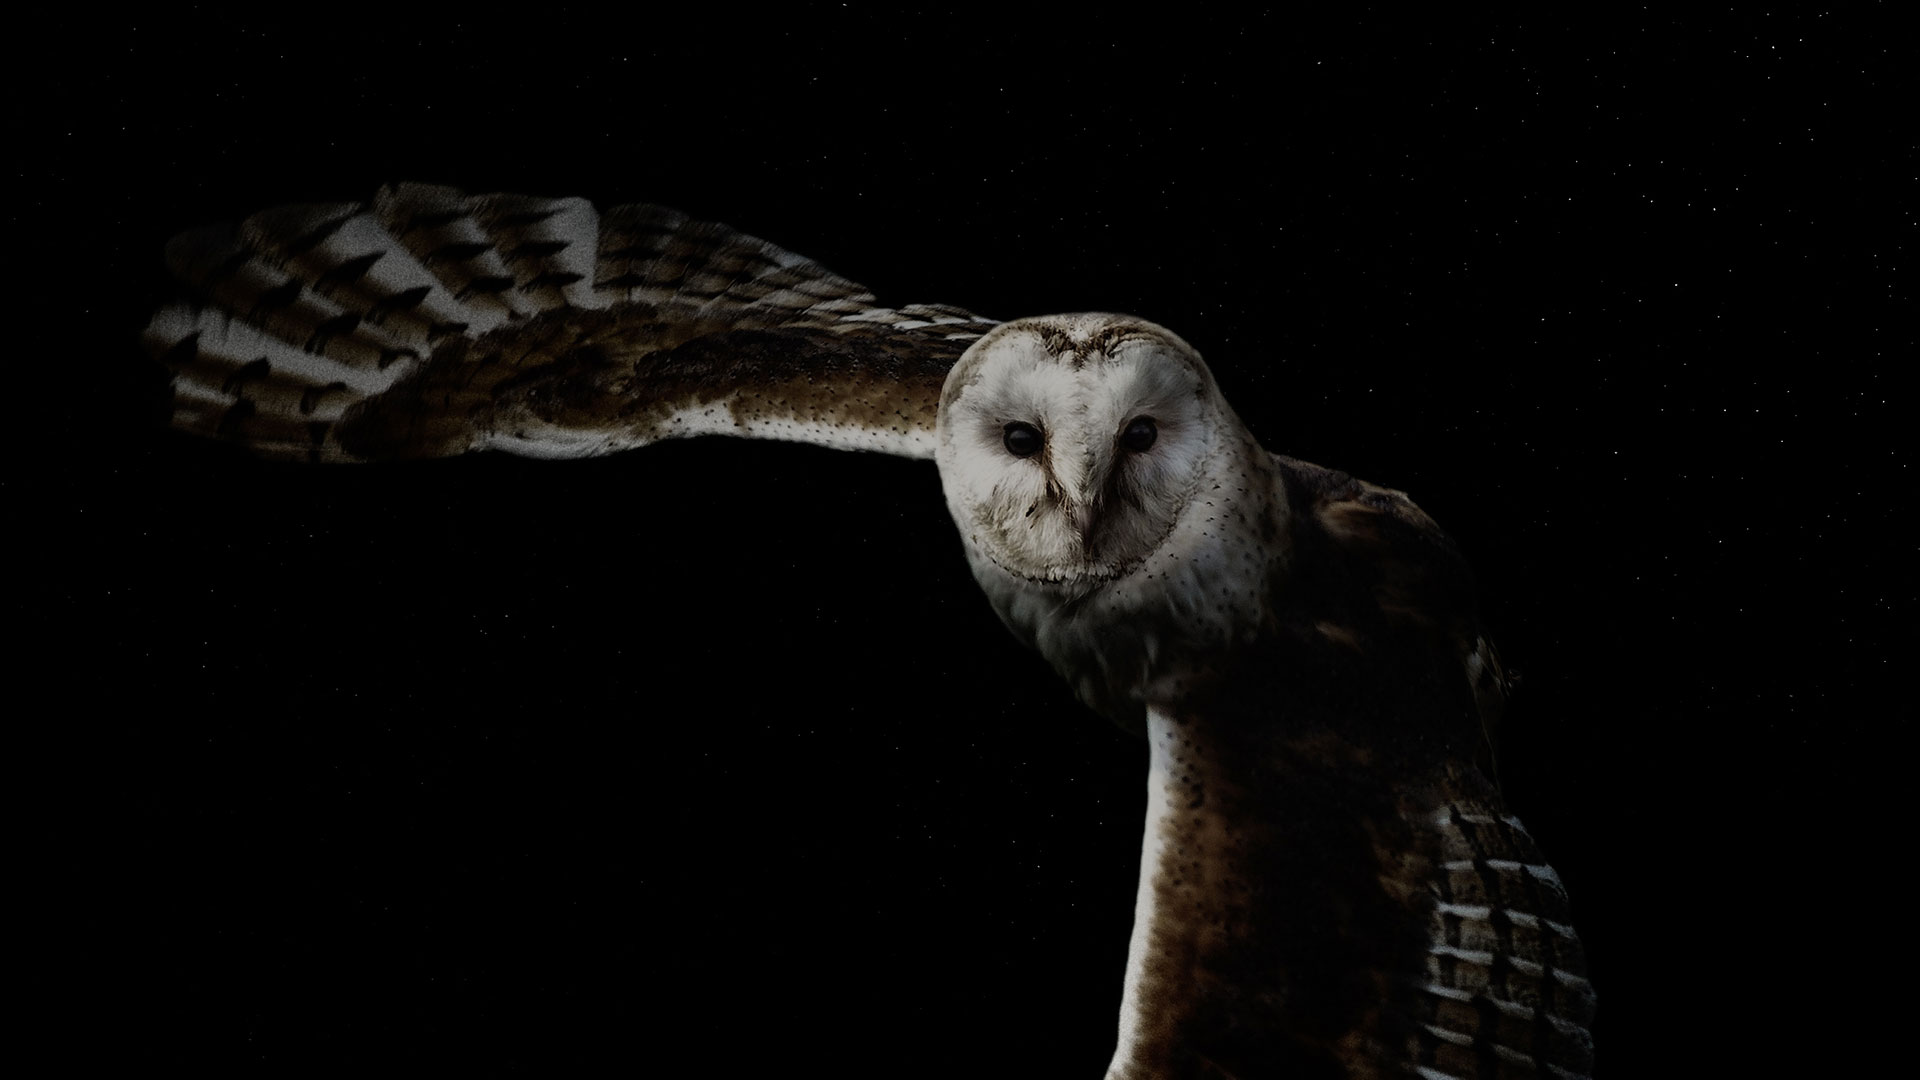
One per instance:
(716, 750)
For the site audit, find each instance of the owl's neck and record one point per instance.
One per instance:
(1277, 898)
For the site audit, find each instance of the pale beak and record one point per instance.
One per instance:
(1084, 516)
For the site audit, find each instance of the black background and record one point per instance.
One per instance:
(714, 752)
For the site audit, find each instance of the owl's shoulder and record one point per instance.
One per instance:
(1353, 511)
(1373, 580)
(1374, 544)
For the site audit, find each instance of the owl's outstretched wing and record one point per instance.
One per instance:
(429, 322)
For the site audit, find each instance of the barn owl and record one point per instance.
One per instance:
(1329, 882)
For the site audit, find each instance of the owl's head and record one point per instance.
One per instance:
(1070, 445)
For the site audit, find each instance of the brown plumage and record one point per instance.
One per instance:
(428, 322)
(1330, 885)
(1337, 889)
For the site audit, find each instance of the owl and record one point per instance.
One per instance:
(1329, 882)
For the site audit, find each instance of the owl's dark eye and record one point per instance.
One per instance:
(1023, 440)
(1140, 433)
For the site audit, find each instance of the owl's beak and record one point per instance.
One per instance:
(1084, 516)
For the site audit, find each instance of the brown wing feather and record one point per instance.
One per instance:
(1390, 553)
(1505, 992)
(430, 322)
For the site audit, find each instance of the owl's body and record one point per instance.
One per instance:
(1329, 883)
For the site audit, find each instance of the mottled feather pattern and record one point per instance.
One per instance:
(431, 322)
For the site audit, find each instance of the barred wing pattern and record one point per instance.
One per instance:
(1311, 906)
(1508, 994)
(1505, 992)
(430, 322)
